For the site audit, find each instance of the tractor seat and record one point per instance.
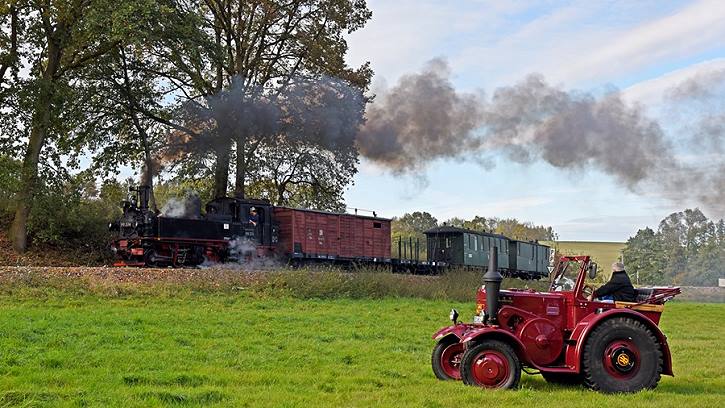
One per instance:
(644, 294)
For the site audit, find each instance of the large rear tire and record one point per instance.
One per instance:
(621, 355)
(446, 358)
(491, 364)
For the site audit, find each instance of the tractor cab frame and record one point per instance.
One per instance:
(607, 346)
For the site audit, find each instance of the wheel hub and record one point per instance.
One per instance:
(621, 359)
(490, 369)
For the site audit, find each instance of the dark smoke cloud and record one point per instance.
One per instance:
(424, 118)
(421, 119)
(322, 110)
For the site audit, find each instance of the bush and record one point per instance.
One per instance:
(456, 285)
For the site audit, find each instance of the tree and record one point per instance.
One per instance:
(302, 174)
(259, 50)
(60, 38)
(524, 231)
(686, 249)
(644, 256)
(9, 27)
(416, 222)
(510, 227)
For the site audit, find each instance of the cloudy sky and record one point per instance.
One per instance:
(645, 49)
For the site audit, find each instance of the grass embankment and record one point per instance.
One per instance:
(603, 253)
(86, 344)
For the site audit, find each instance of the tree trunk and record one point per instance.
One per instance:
(38, 134)
(29, 181)
(221, 173)
(241, 174)
(147, 178)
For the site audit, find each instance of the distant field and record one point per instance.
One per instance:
(233, 349)
(604, 253)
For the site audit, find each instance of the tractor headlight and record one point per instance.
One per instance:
(454, 316)
(480, 318)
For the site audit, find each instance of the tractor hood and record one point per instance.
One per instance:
(542, 304)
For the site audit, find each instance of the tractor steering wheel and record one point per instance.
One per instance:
(587, 290)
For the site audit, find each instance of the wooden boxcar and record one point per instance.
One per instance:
(324, 235)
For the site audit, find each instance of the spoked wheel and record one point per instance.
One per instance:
(622, 355)
(446, 358)
(491, 364)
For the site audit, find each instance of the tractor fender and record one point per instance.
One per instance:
(585, 326)
(457, 330)
(496, 333)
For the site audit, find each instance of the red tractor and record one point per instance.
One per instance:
(607, 346)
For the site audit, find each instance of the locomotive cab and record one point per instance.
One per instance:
(259, 229)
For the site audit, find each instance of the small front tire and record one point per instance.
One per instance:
(491, 364)
(446, 358)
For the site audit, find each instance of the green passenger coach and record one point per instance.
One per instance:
(468, 248)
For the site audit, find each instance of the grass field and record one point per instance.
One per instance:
(603, 253)
(226, 349)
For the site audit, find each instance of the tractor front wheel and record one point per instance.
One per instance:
(446, 358)
(491, 364)
(621, 355)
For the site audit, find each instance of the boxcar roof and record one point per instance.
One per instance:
(335, 213)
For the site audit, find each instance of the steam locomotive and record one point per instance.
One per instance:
(234, 229)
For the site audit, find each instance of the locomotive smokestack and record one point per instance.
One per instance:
(143, 194)
(492, 280)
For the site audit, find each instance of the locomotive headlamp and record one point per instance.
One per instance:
(454, 316)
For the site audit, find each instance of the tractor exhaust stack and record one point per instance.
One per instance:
(492, 281)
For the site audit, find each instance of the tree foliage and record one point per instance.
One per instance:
(510, 227)
(196, 88)
(687, 248)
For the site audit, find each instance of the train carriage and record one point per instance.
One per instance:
(234, 229)
(455, 246)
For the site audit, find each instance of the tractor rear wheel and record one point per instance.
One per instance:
(562, 378)
(446, 358)
(621, 355)
(491, 364)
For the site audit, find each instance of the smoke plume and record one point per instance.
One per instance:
(421, 119)
(424, 118)
(186, 206)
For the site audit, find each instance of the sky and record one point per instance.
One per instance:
(641, 48)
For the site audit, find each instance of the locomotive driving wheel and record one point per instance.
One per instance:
(622, 355)
(491, 364)
(446, 358)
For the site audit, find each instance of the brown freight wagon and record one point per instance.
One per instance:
(324, 235)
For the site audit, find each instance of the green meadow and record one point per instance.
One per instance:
(603, 253)
(61, 348)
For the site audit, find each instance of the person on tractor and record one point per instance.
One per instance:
(619, 287)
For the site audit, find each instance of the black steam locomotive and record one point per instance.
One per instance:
(230, 228)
